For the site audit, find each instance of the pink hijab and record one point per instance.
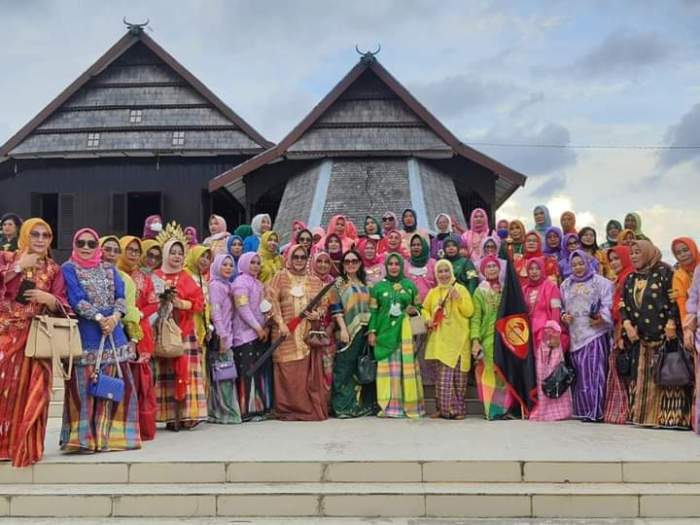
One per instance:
(473, 238)
(96, 258)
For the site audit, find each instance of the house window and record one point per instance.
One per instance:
(93, 140)
(135, 115)
(178, 138)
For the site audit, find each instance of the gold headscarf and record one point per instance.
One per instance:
(25, 234)
(122, 263)
(146, 246)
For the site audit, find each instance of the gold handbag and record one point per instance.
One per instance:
(54, 338)
(169, 343)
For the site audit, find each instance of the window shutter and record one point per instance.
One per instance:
(66, 220)
(118, 213)
(35, 205)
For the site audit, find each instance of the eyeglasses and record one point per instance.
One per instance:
(80, 243)
(299, 257)
(133, 251)
(40, 235)
(387, 219)
(305, 239)
(109, 249)
(152, 256)
(351, 261)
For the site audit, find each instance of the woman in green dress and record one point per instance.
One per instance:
(463, 267)
(399, 385)
(350, 309)
(493, 390)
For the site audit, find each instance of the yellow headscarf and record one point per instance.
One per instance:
(122, 263)
(192, 259)
(25, 234)
(270, 262)
(146, 246)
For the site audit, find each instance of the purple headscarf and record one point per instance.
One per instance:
(588, 260)
(215, 271)
(552, 251)
(244, 263)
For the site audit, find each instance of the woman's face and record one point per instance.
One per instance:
(388, 222)
(305, 240)
(613, 232)
(370, 227)
(296, 228)
(683, 254)
(636, 256)
(539, 216)
(393, 267)
(86, 244)
(110, 251)
(299, 259)
(451, 249)
(40, 239)
(351, 263)
(572, 244)
(615, 262)
(479, 219)
(334, 245)
(254, 268)
(587, 238)
(628, 239)
(516, 232)
(204, 262)
(370, 251)
(567, 222)
(416, 247)
(490, 248)
(491, 271)
(176, 256)
(226, 268)
(409, 219)
(630, 223)
(189, 236)
(340, 227)
(236, 248)
(153, 258)
(214, 226)
(265, 225)
(444, 274)
(9, 229)
(552, 240)
(534, 272)
(578, 266)
(393, 241)
(502, 224)
(531, 242)
(272, 244)
(133, 253)
(323, 266)
(443, 224)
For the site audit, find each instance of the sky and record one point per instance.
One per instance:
(571, 74)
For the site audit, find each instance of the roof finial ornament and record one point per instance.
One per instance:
(135, 29)
(368, 56)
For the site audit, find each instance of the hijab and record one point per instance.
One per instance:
(149, 232)
(491, 238)
(484, 228)
(624, 233)
(335, 256)
(441, 235)
(539, 262)
(301, 224)
(23, 242)
(215, 270)
(400, 276)
(651, 256)
(223, 233)
(146, 246)
(409, 229)
(263, 251)
(638, 230)
(556, 252)
(542, 229)
(392, 214)
(538, 251)
(244, 263)
(288, 263)
(327, 278)
(572, 216)
(122, 263)
(399, 249)
(452, 239)
(96, 258)
(588, 261)
(422, 259)
(376, 224)
(256, 223)
(229, 245)
(482, 267)
(192, 259)
(623, 252)
(104, 240)
(165, 266)
(565, 253)
(438, 264)
(362, 243)
(193, 231)
(608, 227)
(693, 247)
(243, 231)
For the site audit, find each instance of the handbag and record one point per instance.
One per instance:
(169, 344)
(623, 363)
(563, 376)
(54, 338)
(317, 338)
(418, 326)
(366, 366)
(107, 387)
(224, 371)
(673, 366)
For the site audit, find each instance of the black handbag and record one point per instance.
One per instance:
(673, 367)
(560, 380)
(366, 366)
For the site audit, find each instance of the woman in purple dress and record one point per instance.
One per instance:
(587, 302)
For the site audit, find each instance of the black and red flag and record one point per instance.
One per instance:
(513, 354)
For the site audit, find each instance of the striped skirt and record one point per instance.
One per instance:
(657, 406)
(254, 393)
(193, 407)
(451, 390)
(546, 361)
(591, 365)
(222, 401)
(91, 424)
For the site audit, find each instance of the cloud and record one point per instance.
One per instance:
(531, 100)
(455, 95)
(622, 52)
(685, 133)
(551, 185)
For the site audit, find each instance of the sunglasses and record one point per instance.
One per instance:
(387, 219)
(109, 249)
(80, 243)
(305, 239)
(299, 257)
(351, 261)
(153, 256)
(40, 235)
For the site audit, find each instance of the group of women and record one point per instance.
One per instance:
(356, 322)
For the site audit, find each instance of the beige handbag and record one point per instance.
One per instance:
(54, 338)
(169, 343)
(418, 326)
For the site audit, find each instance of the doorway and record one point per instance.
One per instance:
(140, 206)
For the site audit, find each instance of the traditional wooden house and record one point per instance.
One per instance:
(368, 147)
(134, 135)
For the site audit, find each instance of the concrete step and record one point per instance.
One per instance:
(347, 521)
(540, 500)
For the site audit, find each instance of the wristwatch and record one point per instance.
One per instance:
(99, 317)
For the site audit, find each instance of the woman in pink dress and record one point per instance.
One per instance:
(548, 355)
(478, 231)
(542, 297)
(420, 267)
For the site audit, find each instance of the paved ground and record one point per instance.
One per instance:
(341, 521)
(370, 439)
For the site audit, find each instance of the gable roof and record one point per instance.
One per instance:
(508, 178)
(135, 74)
